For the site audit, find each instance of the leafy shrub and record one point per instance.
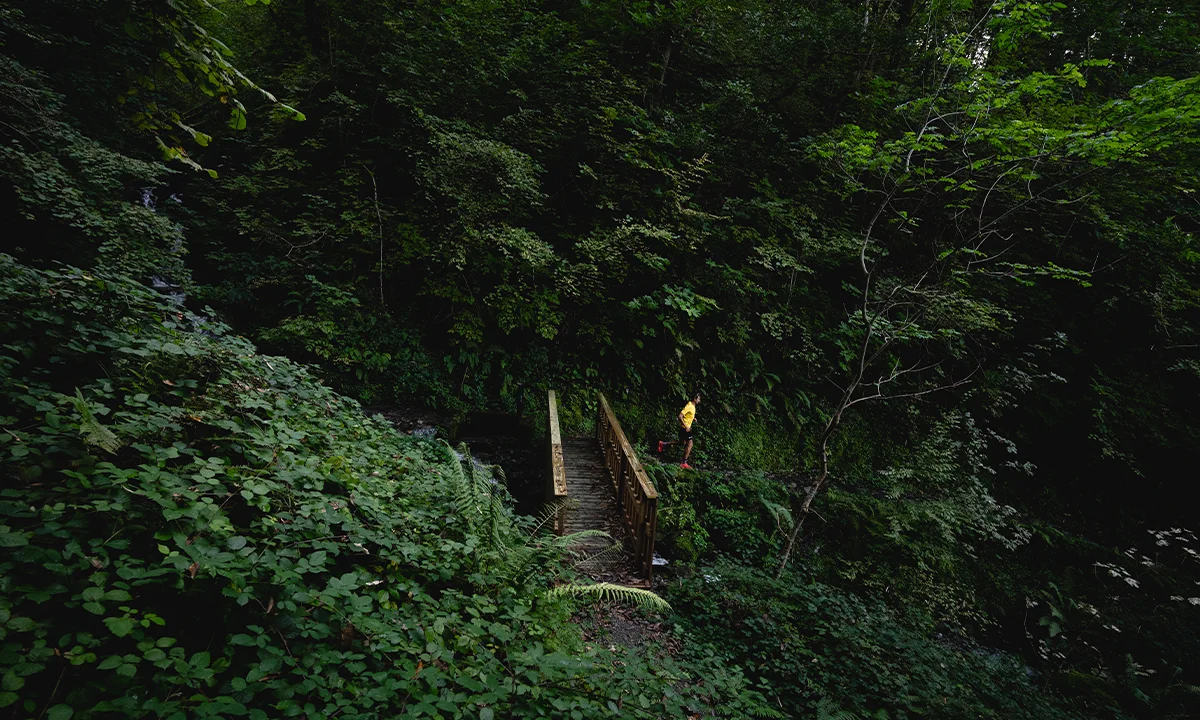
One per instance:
(810, 642)
(362, 352)
(192, 529)
(68, 188)
(706, 514)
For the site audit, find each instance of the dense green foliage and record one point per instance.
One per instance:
(811, 641)
(933, 263)
(933, 581)
(197, 530)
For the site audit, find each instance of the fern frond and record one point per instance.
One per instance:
(498, 473)
(566, 541)
(90, 429)
(763, 712)
(518, 558)
(827, 710)
(603, 555)
(547, 516)
(495, 511)
(781, 514)
(474, 497)
(610, 591)
(460, 488)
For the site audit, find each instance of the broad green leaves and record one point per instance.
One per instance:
(258, 539)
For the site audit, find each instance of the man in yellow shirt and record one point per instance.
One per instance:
(687, 416)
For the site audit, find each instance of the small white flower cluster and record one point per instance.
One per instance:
(1119, 572)
(1181, 536)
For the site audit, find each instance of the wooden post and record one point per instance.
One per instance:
(557, 490)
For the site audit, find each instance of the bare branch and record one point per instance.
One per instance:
(918, 393)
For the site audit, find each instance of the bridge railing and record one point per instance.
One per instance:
(637, 500)
(557, 489)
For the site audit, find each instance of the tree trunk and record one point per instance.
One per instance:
(313, 27)
(805, 508)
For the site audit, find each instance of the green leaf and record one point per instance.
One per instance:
(60, 712)
(8, 698)
(296, 114)
(237, 542)
(110, 662)
(120, 627)
(20, 624)
(237, 119)
(11, 539)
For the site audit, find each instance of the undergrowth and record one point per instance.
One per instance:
(189, 528)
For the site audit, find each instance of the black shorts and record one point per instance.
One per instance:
(684, 434)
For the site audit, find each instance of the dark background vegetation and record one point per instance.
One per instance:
(933, 264)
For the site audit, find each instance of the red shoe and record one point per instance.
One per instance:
(661, 443)
(685, 466)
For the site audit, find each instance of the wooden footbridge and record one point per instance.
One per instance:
(597, 483)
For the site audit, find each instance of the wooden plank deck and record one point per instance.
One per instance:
(593, 506)
(588, 485)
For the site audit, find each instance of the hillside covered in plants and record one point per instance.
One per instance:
(933, 266)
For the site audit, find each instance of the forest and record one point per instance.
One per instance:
(934, 266)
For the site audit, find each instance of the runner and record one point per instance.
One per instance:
(687, 416)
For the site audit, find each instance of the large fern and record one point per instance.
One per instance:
(541, 549)
(780, 514)
(764, 712)
(828, 710)
(475, 498)
(90, 429)
(601, 556)
(610, 591)
(482, 509)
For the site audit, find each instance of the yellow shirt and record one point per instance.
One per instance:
(688, 414)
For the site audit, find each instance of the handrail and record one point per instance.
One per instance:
(637, 500)
(557, 490)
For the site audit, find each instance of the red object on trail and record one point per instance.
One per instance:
(685, 466)
(660, 446)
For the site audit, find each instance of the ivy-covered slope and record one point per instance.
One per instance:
(191, 529)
